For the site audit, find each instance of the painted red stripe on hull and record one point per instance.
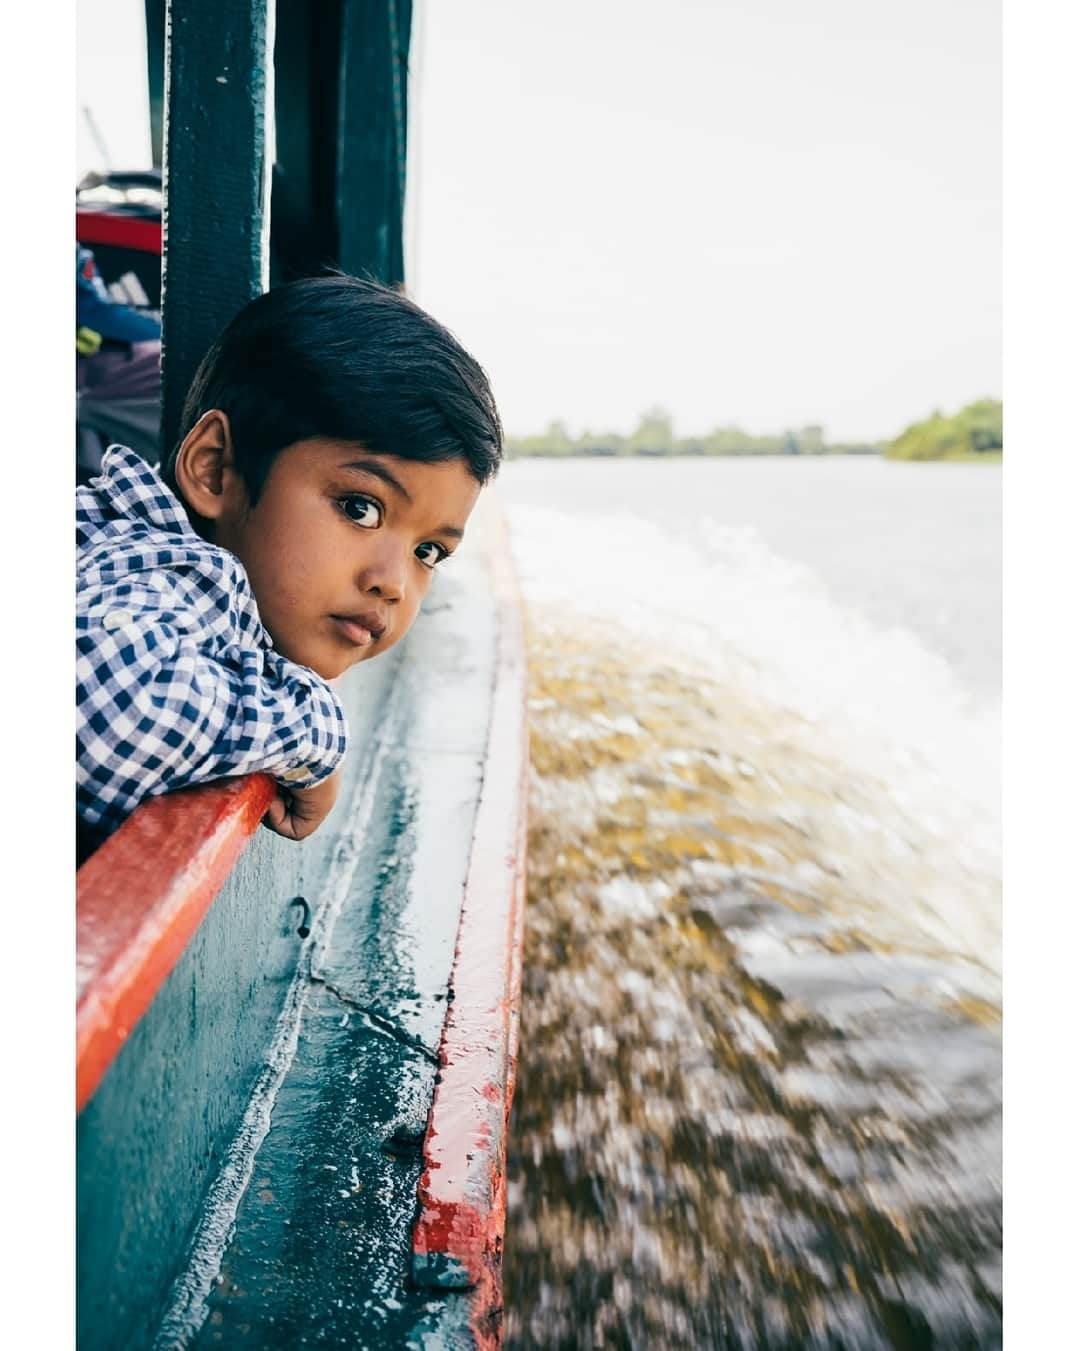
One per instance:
(457, 1239)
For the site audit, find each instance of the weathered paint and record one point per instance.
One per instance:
(153, 1140)
(155, 1136)
(457, 1239)
(133, 921)
(303, 222)
(372, 135)
(218, 84)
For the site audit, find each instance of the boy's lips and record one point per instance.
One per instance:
(360, 629)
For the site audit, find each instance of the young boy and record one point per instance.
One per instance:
(333, 443)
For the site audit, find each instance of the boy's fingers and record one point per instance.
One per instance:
(283, 818)
(277, 818)
(297, 813)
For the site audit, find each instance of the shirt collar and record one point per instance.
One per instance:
(135, 490)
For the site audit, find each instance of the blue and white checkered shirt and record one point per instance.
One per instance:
(178, 682)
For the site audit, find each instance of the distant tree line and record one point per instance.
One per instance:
(975, 431)
(654, 435)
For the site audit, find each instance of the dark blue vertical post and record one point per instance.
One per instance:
(218, 79)
(372, 94)
(303, 227)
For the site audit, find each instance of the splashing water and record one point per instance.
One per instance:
(758, 1099)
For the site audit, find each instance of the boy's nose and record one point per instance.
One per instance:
(384, 574)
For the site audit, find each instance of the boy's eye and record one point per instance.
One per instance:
(361, 510)
(431, 553)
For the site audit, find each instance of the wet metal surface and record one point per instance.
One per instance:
(320, 1250)
(164, 1138)
(332, 1196)
(152, 1138)
(391, 950)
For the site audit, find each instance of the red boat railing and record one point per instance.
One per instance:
(140, 898)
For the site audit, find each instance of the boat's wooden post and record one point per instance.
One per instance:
(303, 214)
(218, 91)
(371, 137)
(341, 94)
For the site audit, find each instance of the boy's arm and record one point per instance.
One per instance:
(156, 712)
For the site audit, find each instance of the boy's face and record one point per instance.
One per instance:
(341, 546)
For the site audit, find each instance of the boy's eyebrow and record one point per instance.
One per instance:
(380, 471)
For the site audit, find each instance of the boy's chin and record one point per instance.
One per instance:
(330, 668)
(334, 664)
(329, 664)
(328, 655)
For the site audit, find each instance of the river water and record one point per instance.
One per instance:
(758, 1099)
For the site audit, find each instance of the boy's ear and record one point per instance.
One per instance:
(205, 469)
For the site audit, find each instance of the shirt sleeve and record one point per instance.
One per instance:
(157, 712)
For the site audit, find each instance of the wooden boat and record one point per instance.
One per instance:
(296, 1062)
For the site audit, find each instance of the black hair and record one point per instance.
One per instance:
(349, 360)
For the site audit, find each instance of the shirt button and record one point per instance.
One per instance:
(116, 619)
(292, 775)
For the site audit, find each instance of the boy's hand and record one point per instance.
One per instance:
(297, 812)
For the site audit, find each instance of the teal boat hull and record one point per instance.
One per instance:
(250, 1165)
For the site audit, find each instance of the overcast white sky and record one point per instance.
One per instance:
(759, 212)
(764, 212)
(110, 80)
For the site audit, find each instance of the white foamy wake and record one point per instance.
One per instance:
(877, 702)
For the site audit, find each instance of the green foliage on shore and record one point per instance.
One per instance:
(975, 432)
(654, 435)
